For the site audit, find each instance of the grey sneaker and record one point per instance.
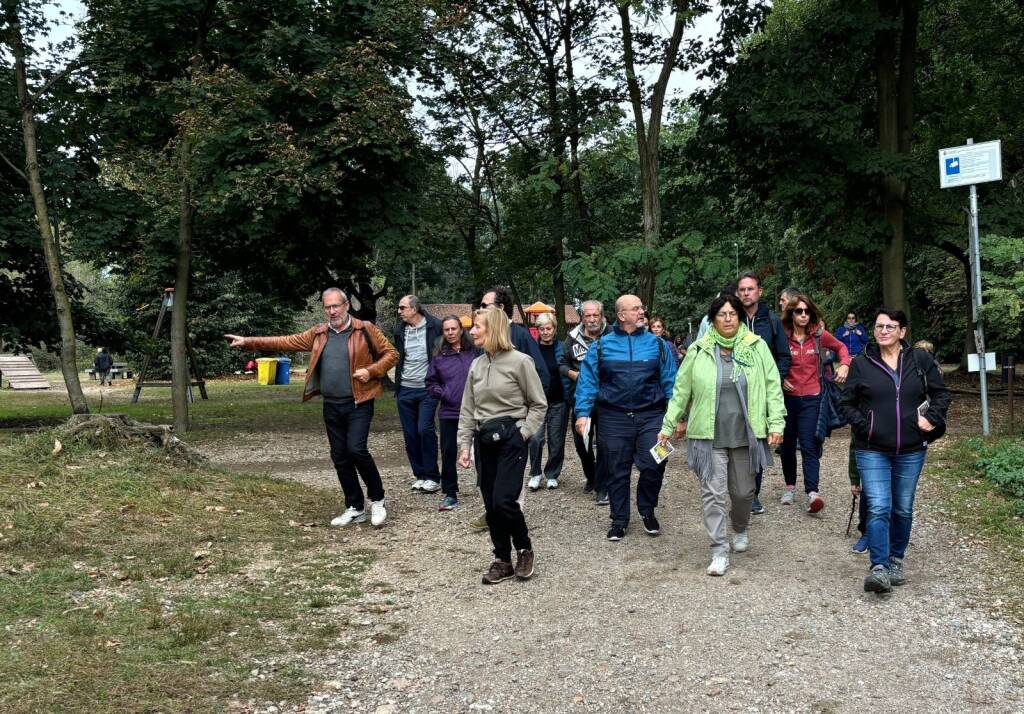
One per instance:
(896, 576)
(602, 498)
(788, 498)
(740, 543)
(877, 580)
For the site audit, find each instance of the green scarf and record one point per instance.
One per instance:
(742, 350)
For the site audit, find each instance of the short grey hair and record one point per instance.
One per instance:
(546, 318)
(334, 290)
(600, 307)
(414, 303)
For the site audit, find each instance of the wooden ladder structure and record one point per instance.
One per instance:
(21, 373)
(197, 376)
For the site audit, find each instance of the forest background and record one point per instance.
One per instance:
(252, 153)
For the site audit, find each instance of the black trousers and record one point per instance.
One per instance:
(500, 468)
(594, 467)
(449, 456)
(348, 427)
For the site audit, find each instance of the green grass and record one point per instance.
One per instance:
(233, 407)
(129, 583)
(983, 508)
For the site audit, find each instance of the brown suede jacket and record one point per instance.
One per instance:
(359, 356)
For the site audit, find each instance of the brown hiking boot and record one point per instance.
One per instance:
(524, 565)
(499, 570)
(479, 524)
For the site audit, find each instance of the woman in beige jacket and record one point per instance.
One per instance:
(502, 406)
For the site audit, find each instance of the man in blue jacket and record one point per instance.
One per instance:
(628, 374)
(415, 336)
(852, 334)
(766, 325)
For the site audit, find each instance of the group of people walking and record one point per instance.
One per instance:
(752, 384)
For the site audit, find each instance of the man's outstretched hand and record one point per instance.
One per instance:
(235, 340)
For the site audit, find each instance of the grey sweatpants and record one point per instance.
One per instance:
(730, 473)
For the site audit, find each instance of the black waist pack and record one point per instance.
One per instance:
(497, 430)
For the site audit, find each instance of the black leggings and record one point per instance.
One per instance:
(500, 468)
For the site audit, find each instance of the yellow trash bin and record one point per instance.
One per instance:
(266, 370)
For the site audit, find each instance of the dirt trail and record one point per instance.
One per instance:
(637, 626)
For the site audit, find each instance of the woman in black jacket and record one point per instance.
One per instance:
(895, 401)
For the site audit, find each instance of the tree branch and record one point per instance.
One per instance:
(13, 167)
(72, 67)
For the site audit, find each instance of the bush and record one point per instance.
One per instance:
(1002, 463)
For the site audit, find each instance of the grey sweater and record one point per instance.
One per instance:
(503, 385)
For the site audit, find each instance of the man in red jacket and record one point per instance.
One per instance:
(348, 359)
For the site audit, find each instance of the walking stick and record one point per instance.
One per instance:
(853, 507)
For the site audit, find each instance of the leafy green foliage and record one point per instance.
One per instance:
(1002, 463)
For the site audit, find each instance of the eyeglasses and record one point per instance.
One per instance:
(336, 306)
(487, 305)
(401, 308)
(801, 311)
(634, 308)
(887, 328)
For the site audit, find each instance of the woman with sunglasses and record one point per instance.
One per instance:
(808, 340)
(896, 402)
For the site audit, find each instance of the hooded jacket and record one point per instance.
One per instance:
(694, 398)
(446, 379)
(433, 335)
(881, 404)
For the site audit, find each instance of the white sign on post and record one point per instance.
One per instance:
(990, 363)
(970, 164)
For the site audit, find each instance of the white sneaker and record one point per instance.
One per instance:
(378, 514)
(430, 486)
(534, 483)
(351, 515)
(417, 485)
(788, 498)
(552, 483)
(719, 564)
(740, 543)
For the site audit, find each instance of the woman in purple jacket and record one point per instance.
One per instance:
(446, 380)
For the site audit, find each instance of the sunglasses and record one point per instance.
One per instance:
(801, 311)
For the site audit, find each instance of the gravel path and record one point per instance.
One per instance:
(637, 626)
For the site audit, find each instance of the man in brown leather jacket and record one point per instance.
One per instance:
(348, 359)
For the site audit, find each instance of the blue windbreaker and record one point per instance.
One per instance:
(637, 372)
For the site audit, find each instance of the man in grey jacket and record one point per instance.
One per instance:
(577, 344)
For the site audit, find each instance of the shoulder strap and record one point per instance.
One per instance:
(922, 373)
(598, 345)
(369, 341)
(817, 348)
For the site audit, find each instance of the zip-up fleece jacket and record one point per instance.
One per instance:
(359, 356)
(505, 385)
(433, 335)
(767, 325)
(636, 373)
(855, 338)
(803, 370)
(446, 379)
(695, 397)
(574, 351)
(882, 407)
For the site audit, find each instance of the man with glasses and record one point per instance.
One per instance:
(852, 334)
(415, 336)
(765, 324)
(577, 344)
(348, 359)
(628, 375)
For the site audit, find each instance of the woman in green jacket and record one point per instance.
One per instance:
(728, 401)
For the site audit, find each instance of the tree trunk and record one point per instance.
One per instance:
(51, 250)
(180, 372)
(573, 130)
(895, 97)
(648, 136)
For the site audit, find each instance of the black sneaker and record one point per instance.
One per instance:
(588, 487)
(651, 525)
(878, 580)
(616, 533)
(602, 498)
(756, 507)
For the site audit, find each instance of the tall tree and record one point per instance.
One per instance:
(18, 13)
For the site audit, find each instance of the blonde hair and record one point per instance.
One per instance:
(546, 318)
(925, 345)
(498, 330)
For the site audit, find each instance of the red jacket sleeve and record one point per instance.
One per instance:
(830, 342)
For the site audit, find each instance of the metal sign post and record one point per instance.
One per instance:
(970, 165)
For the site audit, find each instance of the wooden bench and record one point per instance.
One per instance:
(119, 370)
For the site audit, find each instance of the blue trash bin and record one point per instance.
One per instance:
(284, 371)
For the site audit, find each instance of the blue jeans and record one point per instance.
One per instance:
(553, 431)
(348, 427)
(626, 438)
(416, 411)
(889, 482)
(801, 425)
